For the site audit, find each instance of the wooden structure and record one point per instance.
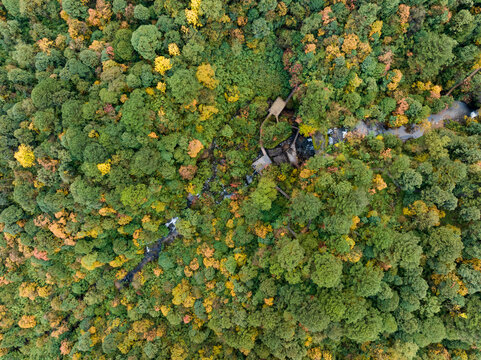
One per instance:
(277, 107)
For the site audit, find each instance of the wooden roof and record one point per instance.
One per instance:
(277, 106)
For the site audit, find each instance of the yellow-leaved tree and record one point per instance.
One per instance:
(162, 64)
(192, 14)
(206, 76)
(104, 168)
(173, 49)
(27, 322)
(25, 156)
(195, 146)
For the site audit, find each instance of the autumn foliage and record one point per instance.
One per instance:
(117, 116)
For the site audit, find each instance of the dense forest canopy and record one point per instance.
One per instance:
(117, 116)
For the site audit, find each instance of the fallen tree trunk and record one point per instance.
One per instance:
(463, 81)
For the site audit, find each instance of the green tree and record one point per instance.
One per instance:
(314, 105)
(85, 194)
(326, 270)
(75, 8)
(146, 40)
(305, 207)
(123, 48)
(43, 95)
(443, 246)
(407, 251)
(462, 25)
(134, 196)
(13, 7)
(410, 180)
(184, 86)
(146, 161)
(310, 314)
(135, 115)
(141, 12)
(366, 279)
(264, 194)
(470, 213)
(431, 53)
(432, 331)
(367, 329)
(290, 255)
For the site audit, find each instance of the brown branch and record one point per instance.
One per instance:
(261, 142)
(306, 229)
(291, 231)
(292, 93)
(463, 81)
(282, 192)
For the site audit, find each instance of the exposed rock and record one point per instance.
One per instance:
(151, 253)
(274, 152)
(290, 150)
(282, 158)
(305, 147)
(336, 135)
(320, 141)
(361, 128)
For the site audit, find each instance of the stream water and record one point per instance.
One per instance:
(456, 112)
